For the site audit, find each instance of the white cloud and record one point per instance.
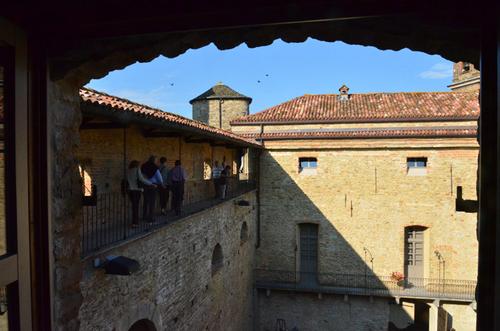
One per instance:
(153, 98)
(438, 71)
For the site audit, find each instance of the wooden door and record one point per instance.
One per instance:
(414, 252)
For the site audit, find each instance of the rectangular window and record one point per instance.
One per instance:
(308, 164)
(416, 166)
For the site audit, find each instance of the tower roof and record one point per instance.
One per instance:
(220, 91)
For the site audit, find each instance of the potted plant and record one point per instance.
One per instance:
(398, 277)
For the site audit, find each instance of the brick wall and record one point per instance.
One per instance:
(307, 312)
(364, 198)
(101, 153)
(174, 287)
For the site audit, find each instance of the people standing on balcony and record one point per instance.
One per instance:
(164, 189)
(177, 177)
(151, 171)
(216, 171)
(135, 181)
(225, 174)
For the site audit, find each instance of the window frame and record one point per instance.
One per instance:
(309, 160)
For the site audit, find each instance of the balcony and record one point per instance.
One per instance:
(367, 285)
(108, 221)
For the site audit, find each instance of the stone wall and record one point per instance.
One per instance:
(175, 287)
(65, 201)
(105, 155)
(307, 312)
(362, 197)
(207, 111)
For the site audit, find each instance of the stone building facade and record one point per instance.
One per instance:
(175, 287)
(346, 181)
(465, 77)
(219, 105)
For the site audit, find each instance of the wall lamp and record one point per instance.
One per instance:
(117, 265)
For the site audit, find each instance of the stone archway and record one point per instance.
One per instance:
(143, 325)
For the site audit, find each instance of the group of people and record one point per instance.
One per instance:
(220, 175)
(153, 178)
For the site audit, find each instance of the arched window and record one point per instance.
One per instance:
(217, 259)
(143, 325)
(86, 182)
(244, 232)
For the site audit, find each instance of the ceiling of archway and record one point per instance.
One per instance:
(88, 40)
(95, 58)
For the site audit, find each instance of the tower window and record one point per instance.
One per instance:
(466, 67)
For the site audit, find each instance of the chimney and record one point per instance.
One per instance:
(344, 93)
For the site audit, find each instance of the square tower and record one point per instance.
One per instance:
(219, 105)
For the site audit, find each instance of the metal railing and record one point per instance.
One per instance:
(109, 220)
(372, 285)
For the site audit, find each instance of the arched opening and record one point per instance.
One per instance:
(244, 233)
(143, 325)
(217, 259)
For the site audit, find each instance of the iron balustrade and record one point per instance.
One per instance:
(369, 285)
(109, 220)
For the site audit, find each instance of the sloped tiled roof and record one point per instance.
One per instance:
(220, 91)
(421, 132)
(119, 104)
(370, 107)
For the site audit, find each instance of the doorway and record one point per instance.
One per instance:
(308, 244)
(414, 251)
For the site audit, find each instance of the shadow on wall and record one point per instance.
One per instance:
(300, 245)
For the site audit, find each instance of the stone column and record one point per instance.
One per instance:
(64, 120)
(433, 317)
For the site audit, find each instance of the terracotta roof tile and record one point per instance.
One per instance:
(371, 107)
(100, 98)
(221, 91)
(423, 132)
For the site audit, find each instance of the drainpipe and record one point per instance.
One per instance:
(257, 245)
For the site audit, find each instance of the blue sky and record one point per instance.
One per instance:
(276, 73)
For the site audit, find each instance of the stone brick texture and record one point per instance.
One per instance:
(384, 200)
(362, 196)
(307, 312)
(66, 199)
(174, 287)
(105, 155)
(207, 111)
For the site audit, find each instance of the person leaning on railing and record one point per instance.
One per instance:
(135, 181)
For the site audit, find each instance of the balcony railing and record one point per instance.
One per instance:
(369, 285)
(109, 220)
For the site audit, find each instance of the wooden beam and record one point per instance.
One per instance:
(155, 133)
